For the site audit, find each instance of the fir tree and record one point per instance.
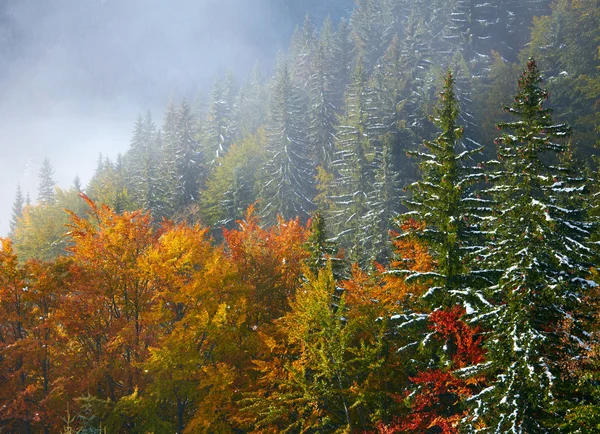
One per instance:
(355, 164)
(46, 184)
(322, 250)
(17, 211)
(145, 184)
(443, 201)
(538, 247)
(169, 157)
(188, 158)
(77, 184)
(289, 189)
(220, 129)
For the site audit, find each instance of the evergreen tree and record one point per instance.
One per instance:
(372, 25)
(322, 251)
(302, 52)
(188, 158)
(322, 112)
(538, 248)
(77, 184)
(220, 125)
(252, 105)
(145, 183)
(183, 162)
(383, 202)
(17, 211)
(46, 184)
(443, 201)
(169, 158)
(355, 165)
(289, 188)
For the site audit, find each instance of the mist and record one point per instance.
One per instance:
(74, 74)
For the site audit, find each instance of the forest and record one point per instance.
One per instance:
(394, 231)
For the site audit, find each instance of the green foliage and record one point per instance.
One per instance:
(538, 248)
(321, 374)
(233, 185)
(46, 185)
(41, 231)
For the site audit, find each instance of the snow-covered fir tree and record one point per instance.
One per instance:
(289, 189)
(145, 183)
(354, 168)
(220, 130)
(538, 247)
(444, 202)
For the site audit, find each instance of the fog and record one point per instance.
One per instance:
(74, 74)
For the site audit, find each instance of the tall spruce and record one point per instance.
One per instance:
(17, 210)
(289, 188)
(145, 183)
(444, 202)
(46, 184)
(539, 249)
(188, 158)
(354, 168)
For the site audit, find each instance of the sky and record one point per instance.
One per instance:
(74, 74)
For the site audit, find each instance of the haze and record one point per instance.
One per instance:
(74, 74)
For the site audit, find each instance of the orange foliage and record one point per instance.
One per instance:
(269, 262)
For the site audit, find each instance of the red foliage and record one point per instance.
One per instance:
(436, 403)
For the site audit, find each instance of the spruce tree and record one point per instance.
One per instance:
(443, 201)
(355, 164)
(169, 158)
(17, 210)
(539, 250)
(188, 158)
(77, 184)
(289, 188)
(46, 184)
(220, 130)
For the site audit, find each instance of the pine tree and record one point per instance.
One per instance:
(322, 251)
(372, 25)
(539, 249)
(17, 211)
(46, 185)
(302, 51)
(169, 158)
(322, 112)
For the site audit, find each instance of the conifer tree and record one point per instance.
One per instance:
(169, 161)
(188, 158)
(443, 201)
(17, 210)
(144, 181)
(355, 169)
(322, 112)
(539, 249)
(251, 108)
(46, 184)
(289, 188)
(220, 130)
(77, 184)
(321, 249)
